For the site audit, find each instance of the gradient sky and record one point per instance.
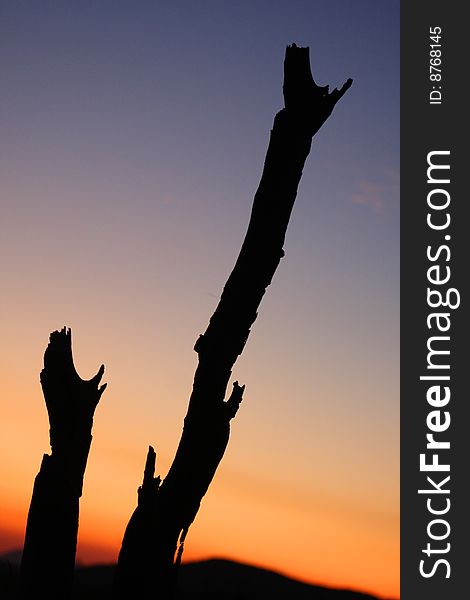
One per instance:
(132, 140)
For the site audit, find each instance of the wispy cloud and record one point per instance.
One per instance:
(370, 194)
(168, 200)
(376, 195)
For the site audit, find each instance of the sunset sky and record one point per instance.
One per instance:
(133, 136)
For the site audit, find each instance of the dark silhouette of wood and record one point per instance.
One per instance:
(51, 533)
(154, 539)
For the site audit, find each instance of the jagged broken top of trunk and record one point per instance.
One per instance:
(302, 95)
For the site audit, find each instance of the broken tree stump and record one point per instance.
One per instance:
(51, 533)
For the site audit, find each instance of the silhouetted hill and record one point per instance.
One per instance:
(229, 580)
(13, 557)
(208, 580)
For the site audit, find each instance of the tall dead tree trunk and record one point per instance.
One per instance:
(153, 541)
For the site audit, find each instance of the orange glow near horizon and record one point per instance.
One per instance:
(310, 555)
(299, 528)
(236, 521)
(312, 523)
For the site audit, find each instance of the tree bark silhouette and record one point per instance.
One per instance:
(51, 533)
(153, 541)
